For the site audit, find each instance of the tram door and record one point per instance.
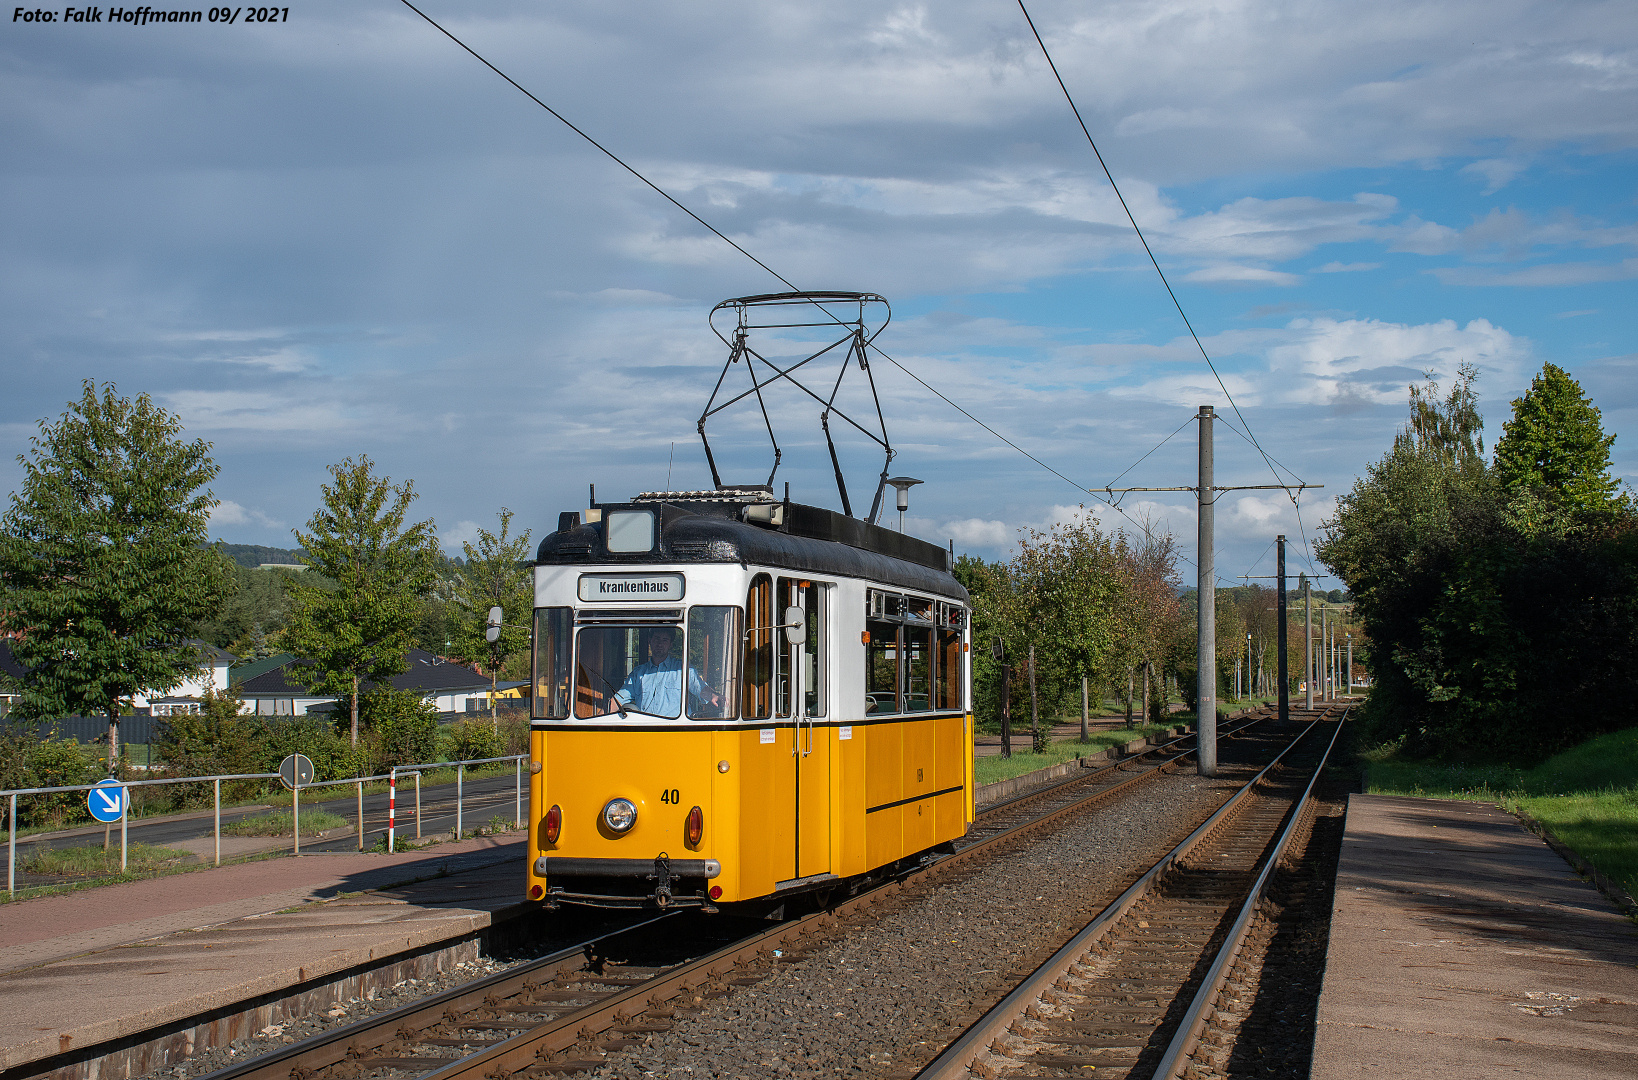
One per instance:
(802, 697)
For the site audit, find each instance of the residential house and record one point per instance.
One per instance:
(277, 686)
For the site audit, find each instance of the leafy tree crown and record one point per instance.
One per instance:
(1556, 442)
(102, 551)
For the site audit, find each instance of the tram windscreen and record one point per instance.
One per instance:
(713, 655)
(641, 670)
(554, 629)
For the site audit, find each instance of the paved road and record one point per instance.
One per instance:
(481, 799)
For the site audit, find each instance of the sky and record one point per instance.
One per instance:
(339, 234)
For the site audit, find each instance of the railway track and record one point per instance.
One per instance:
(1136, 993)
(565, 1012)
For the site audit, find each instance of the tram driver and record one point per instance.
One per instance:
(655, 686)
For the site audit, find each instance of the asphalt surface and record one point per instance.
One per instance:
(481, 799)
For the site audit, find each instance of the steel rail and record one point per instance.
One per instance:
(546, 1042)
(1193, 1024)
(957, 1059)
(337, 1045)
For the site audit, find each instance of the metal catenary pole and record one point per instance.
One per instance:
(1280, 619)
(418, 804)
(295, 814)
(11, 850)
(1036, 744)
(1308, 638)
(460, 784)
(1206, 657)
(124, 818)
(517, 807)
(1083, 708)
(361, 815)
(216, 826)
(1006, 711)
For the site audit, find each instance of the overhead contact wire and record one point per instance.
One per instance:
(1144, 240)
(612, 156)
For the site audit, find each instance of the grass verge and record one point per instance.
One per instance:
(92, 859)
(281, 823)
(1587, 796)
(989, 769)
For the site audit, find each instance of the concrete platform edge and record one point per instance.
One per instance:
(138, 1043)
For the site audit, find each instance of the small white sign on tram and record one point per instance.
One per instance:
(650, 587)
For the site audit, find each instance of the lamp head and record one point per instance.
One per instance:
(903, 484)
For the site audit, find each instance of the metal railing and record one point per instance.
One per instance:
(390, 777)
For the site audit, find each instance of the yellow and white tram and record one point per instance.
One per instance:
(740, 699)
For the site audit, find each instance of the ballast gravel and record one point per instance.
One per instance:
(883, 998)
(278, 1036)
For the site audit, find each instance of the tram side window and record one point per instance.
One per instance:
(757, 702)
(918, 668)
(814, 671)
(713, 653)
(554, 629)
(949, 669)
(881, 666)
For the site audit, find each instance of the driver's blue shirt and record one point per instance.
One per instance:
(657, 688)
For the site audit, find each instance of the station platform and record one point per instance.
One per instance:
(92, 967)
(1461, 945)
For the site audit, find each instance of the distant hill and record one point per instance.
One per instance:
(253, 555)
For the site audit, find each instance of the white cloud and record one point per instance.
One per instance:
(979, 533)
(464, 532)
(228, 512)
(1231, 274)
(1497, 173)
(1546, 274)
(1346, 268)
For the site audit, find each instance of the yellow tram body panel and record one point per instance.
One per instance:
(797, 802)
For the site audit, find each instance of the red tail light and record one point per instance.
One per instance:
(554, 823)
(694, 828)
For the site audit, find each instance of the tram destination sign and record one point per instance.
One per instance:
(596, 588)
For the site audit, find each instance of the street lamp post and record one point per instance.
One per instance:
(903, 484)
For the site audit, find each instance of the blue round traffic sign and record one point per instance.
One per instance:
(107, 800)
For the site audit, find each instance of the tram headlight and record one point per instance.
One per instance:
(694, 827)
(554, 823)
(620, 815)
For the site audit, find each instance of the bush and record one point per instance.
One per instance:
(54, 763)
(216, 741)
(467, 739)
(403, 728)
(313, 734)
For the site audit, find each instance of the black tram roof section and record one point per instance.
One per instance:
(699, 528)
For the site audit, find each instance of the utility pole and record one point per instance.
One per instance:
(1084, 707)
(1000, 650)
(1206, 657)
(1280, 634)
(1206, 493)
(1037, 743)
(1324, 656)
(1350, 663)
(1308, 639)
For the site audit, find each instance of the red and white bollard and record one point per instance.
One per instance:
(392, 810)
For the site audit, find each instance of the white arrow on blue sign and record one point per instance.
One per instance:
(107, 800)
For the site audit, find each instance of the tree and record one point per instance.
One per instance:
(1555, 443)
(496, 573)
(103, 555)
(358, 630)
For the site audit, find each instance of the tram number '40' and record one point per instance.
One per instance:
(670, 795)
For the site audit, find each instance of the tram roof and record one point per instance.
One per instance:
(809, 539)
